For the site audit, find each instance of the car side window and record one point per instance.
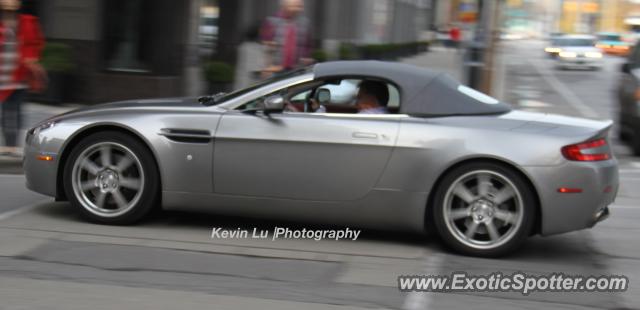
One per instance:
(342, 97)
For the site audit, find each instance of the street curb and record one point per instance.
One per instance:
(10, 165)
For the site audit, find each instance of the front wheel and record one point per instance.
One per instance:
(484, 209)
(111, 178)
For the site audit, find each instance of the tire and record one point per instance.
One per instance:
(489, 220)
(119, 192)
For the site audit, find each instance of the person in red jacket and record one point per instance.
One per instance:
(455, 36)
(21, 44)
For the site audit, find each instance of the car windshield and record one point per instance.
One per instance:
(609, 37)
(279, 77)
(573, 42)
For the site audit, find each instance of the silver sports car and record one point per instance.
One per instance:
(443, 158)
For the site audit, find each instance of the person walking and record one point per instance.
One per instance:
(251, 60)
(287, 37)
(455, 36)
(21, 43)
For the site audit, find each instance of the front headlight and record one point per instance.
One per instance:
(552, 50)
(568, 55)
(41, 127)
(593, 55)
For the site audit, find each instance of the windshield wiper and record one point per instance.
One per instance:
(211, 99)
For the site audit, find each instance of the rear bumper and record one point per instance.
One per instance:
(564, 212)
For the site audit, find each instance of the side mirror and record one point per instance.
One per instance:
(273, 104)
(625, 68)
(323, 96)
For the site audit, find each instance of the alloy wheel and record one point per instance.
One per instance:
(108, 179)
(483, 209)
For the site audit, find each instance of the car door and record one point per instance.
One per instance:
(320, 157)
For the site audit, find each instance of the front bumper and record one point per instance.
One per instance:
(564, 212)
(41, 175)
(579, 62)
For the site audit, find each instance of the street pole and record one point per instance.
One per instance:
(492, 20)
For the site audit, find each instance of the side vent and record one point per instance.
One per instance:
(187, 135)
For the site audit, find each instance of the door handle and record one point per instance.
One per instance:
(365, 135)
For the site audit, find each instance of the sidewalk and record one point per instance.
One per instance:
(33, 113)
(440, 59)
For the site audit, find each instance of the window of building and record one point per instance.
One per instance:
(209, 25)
(127, 33)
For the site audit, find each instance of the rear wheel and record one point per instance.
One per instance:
(484, 209)
(111, 178)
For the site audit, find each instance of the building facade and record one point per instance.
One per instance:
(126, 49)
(333, 21)
(121, 48)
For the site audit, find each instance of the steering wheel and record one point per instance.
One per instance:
(307, 100)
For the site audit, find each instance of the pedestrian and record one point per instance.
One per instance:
(21, 44)
(251, 59)
(455, 36)
(287, 37)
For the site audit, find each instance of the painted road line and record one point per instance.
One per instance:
(571, 98)
(12, 176)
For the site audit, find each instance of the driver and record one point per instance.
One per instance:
(372, 98)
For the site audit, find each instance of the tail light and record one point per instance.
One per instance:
(596, 150)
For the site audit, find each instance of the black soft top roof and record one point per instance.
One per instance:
(423, 92)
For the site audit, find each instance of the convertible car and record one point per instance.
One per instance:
(444, 158)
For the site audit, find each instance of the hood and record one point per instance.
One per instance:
(167, 103)
(147, 103)
(580, 49)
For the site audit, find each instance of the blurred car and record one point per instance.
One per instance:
(629, 101)
(554, 35)
(553, 47)
(612, 43)
(512, 36)
(578, 52)
(483, 176)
